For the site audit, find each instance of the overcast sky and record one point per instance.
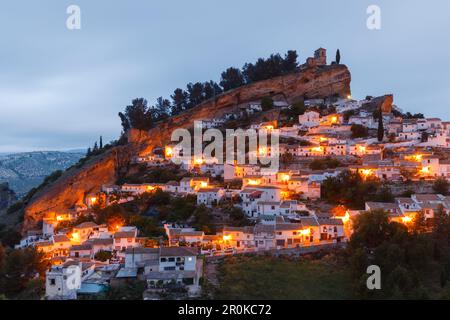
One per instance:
(61, 89)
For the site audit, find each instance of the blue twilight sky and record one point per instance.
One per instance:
(61, 89)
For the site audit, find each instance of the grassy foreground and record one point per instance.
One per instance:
(267, 277)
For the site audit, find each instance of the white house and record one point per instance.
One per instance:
(63, 281)
(210, 196)
(309, 119)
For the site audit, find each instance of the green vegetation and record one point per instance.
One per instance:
(103, 255)
(441, 185)
(9, 236)
(150, 210)
(281, 278)
(296, 109)
(359, 131)
(322, 164)
(21, 273)
(237, 217)
(266, 103)
(350, 189)
(203, 220)
(338, 56)
(131, 290)
(140, 115)
(380, 132)
(348, 114)
(414, 265)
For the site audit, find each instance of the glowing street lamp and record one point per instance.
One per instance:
(75, 237)
(366, 172)
(346, 217)
(168, 152)
(406, 220)
(317, 149)
(334, 119)
(425, 170)
(305, 232)
(262, 151)
(198, 161)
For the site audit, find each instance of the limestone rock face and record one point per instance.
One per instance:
(384, 103)
(71, 188)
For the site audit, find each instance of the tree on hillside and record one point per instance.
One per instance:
(290, 61)
(350, 189)
(179, 101)
(380, 133)
(124, 122)
(441, 237)
(195, 91)
(203, 219)
(263, 68)
(20, 268)
(298, 108)
(161, 110)
(409, 115)
(441, 186)
(101, 142)
(231, 78)
(266, 103)
(370, 229)
(338, 56)
(359, 131)
(211, 89)
(137, 116)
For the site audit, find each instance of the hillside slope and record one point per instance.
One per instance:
(315, 82)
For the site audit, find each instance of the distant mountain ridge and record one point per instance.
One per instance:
(26, 170)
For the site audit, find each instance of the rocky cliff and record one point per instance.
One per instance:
(316, 82)
(71, 188)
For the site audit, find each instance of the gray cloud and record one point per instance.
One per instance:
(62, 89)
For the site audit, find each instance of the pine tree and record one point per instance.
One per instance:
(338, 56)
(380, 127)
(95, 146)
(101, 142)
(88, 153)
